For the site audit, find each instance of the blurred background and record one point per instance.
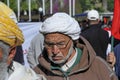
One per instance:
(30, 10)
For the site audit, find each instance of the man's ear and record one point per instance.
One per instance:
(11, 55)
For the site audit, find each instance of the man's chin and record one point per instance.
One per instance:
(58, 61)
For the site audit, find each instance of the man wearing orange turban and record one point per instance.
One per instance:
(11, 37)
(4, 9)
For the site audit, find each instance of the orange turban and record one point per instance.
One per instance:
(7, 11)
(9, 31)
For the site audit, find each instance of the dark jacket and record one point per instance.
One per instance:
(98, 38)
(19, 57)
(117, 65)
(90, 67)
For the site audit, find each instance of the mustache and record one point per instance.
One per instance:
(56, 55)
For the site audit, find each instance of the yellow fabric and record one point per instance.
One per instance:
(7, 11)
(9, 31)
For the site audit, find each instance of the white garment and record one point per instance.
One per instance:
(108, 49)
(66, 66)
(23, 73)
(35, 49)
(109, 45)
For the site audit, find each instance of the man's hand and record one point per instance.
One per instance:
(111, 59)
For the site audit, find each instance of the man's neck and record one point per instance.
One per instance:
(70, 61)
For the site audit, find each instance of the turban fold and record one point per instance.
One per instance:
(7, 11)
(62, 23)
(9, 31)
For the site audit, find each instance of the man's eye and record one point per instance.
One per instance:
(49, 44)
(61, 43)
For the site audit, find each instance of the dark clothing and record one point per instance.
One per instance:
(116, 41)
(98, 38)
(88, 67)
(19, 57)
(117, 65)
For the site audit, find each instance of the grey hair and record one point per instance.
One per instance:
(5, 49)
(3, 62)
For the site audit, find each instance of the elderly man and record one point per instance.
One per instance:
(10, 37)
(64, 58)
(4, 9)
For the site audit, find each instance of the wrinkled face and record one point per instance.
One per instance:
(58, 47)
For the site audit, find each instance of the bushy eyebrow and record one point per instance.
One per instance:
(55, 42)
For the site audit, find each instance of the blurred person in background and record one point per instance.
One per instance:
(36, 47)
(97, 37)
(35, 50)
(117, 64)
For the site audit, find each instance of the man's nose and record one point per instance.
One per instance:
(55, 49)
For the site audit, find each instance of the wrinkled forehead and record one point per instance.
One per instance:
(56, 36)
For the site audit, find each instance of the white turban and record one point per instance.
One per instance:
(62, 23)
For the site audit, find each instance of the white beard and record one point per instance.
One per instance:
(3, 61)
(3, 71)
(60, 61)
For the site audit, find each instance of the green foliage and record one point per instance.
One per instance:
(90, 4)
(78, 7)
(110, 5)
(81, 5)
(23, 4)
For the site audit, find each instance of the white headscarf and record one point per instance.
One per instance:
(63, 23)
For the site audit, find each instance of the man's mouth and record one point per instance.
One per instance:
(56, 58)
